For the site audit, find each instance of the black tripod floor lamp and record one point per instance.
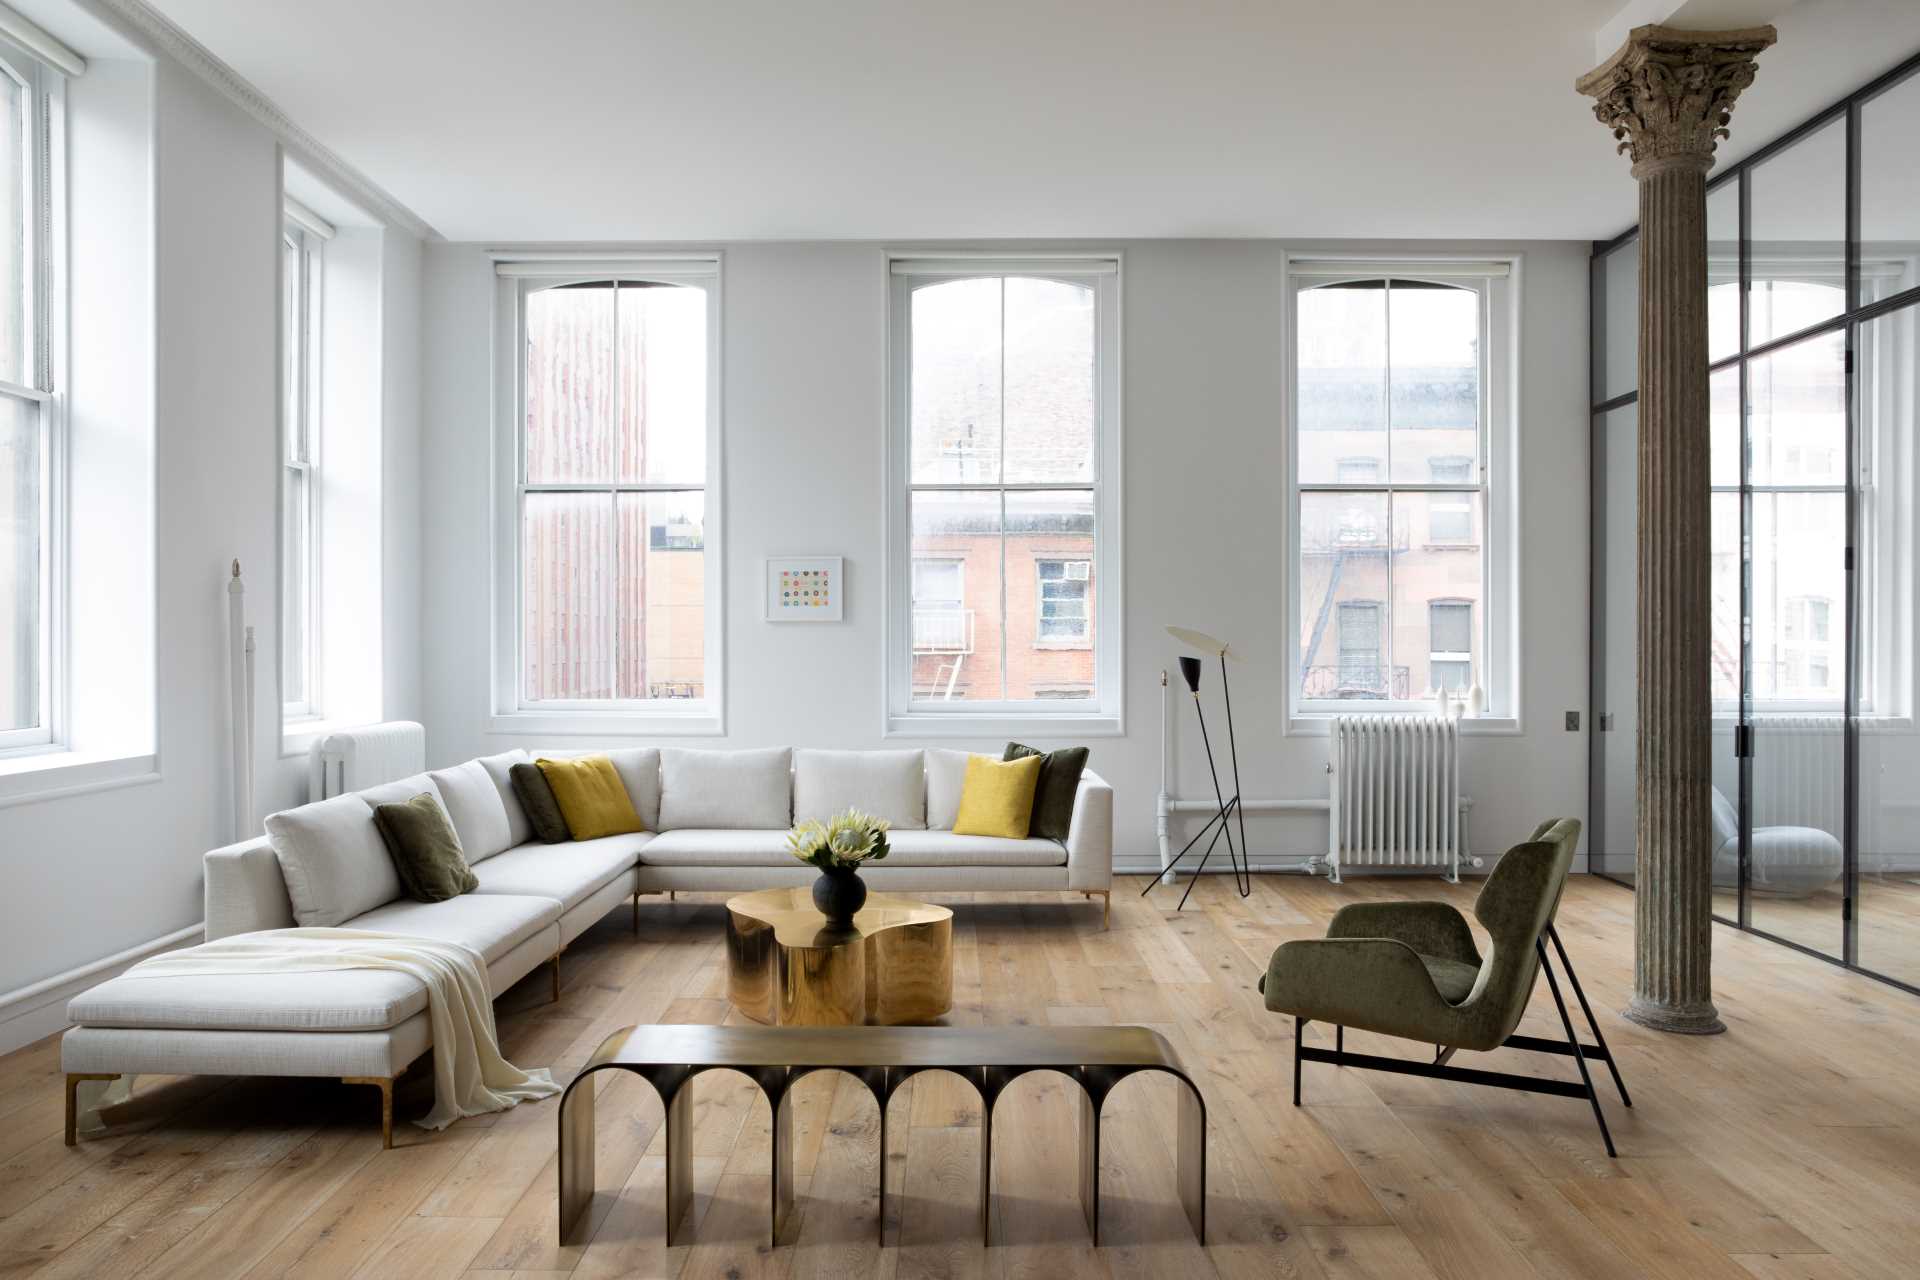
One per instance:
(1229, 810)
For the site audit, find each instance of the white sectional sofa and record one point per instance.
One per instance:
(714, 821)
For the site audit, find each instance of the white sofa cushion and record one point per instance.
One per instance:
(712, 848)
(569, 872)
(402, 790)
(491, 923)
(887, 784)
(945, 849)
(335, 864)
(946, 774)
(734, 790)
(474, 807)
(519, 829)
(639, 770)
(330, 1000)
(696, 847)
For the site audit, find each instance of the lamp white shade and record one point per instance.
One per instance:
(1202, 641)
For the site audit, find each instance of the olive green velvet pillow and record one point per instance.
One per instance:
(426, 851)
(1059, 781)
(537, 798)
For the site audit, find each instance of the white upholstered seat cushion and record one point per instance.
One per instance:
(700, 847)
(334, 862)
(887, 784)
(474, 807)
(945, 849)
(709, 848)
(569, 872)
(330, 1000)
(731, 790)
(491, 923)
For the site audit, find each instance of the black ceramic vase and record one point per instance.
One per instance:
(838, 893)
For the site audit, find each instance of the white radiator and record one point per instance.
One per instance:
(1395, 793)
(353, 759)
(1799, 771)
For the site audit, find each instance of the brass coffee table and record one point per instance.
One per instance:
(786, 968)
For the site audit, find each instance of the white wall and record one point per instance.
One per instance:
(1205, 536)
(93, 874)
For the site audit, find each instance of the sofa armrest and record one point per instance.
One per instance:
(1090, 835)
(244, 890)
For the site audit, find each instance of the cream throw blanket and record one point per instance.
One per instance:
(469, 1075)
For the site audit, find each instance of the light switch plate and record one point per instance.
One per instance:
(1573, 722)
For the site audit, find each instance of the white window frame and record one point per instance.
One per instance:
(43, 189)
(517, 276)
(1103, 714)
(1498, 283)
(300, 448)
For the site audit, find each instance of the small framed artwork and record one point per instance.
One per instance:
(805, 589)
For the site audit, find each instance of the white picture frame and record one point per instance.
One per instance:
(804, 589)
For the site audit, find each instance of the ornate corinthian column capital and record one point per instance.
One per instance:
(1668, 94)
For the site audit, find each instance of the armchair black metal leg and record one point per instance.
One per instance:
(1573, 1039)
(1339, 1040)
(1574, 980)
(1299, 1030)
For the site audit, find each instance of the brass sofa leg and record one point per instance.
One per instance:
(556, 975)
(1106, 904)
(636, 914)
(385, 1085)
(73, 1102)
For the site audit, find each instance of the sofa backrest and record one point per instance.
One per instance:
(736, 790)
(887, 784)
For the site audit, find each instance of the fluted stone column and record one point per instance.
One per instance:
(1667, 95)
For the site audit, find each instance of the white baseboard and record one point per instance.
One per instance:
(35, 1012)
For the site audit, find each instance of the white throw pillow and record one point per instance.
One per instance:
(639, 769)
(401, 791)
(474, 807)
(886, 784)
(335, 863)
(733, 790)
(946, 774)
(519, 829)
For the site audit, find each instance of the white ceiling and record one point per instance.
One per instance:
(507, 120)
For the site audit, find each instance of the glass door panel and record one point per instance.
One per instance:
(1797, 642)
(1610, 844)
(1887, 902)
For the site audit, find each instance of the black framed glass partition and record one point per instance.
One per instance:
(1814, 347)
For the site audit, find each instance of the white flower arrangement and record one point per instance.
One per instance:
(842, 843)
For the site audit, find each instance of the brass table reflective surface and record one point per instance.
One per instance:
(785, 967)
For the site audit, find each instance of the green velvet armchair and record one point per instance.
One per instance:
(1414, 970)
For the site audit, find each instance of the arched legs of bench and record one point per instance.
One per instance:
(674, 1085)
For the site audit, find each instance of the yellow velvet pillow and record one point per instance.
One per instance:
(591, 797)
(997, 797)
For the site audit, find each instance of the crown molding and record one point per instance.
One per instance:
(160, 31)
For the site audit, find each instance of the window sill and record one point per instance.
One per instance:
(1001, 724)
(1317, 724)
(693, 724)
(45, 774)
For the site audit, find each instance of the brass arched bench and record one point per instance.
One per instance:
(882, 1058)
